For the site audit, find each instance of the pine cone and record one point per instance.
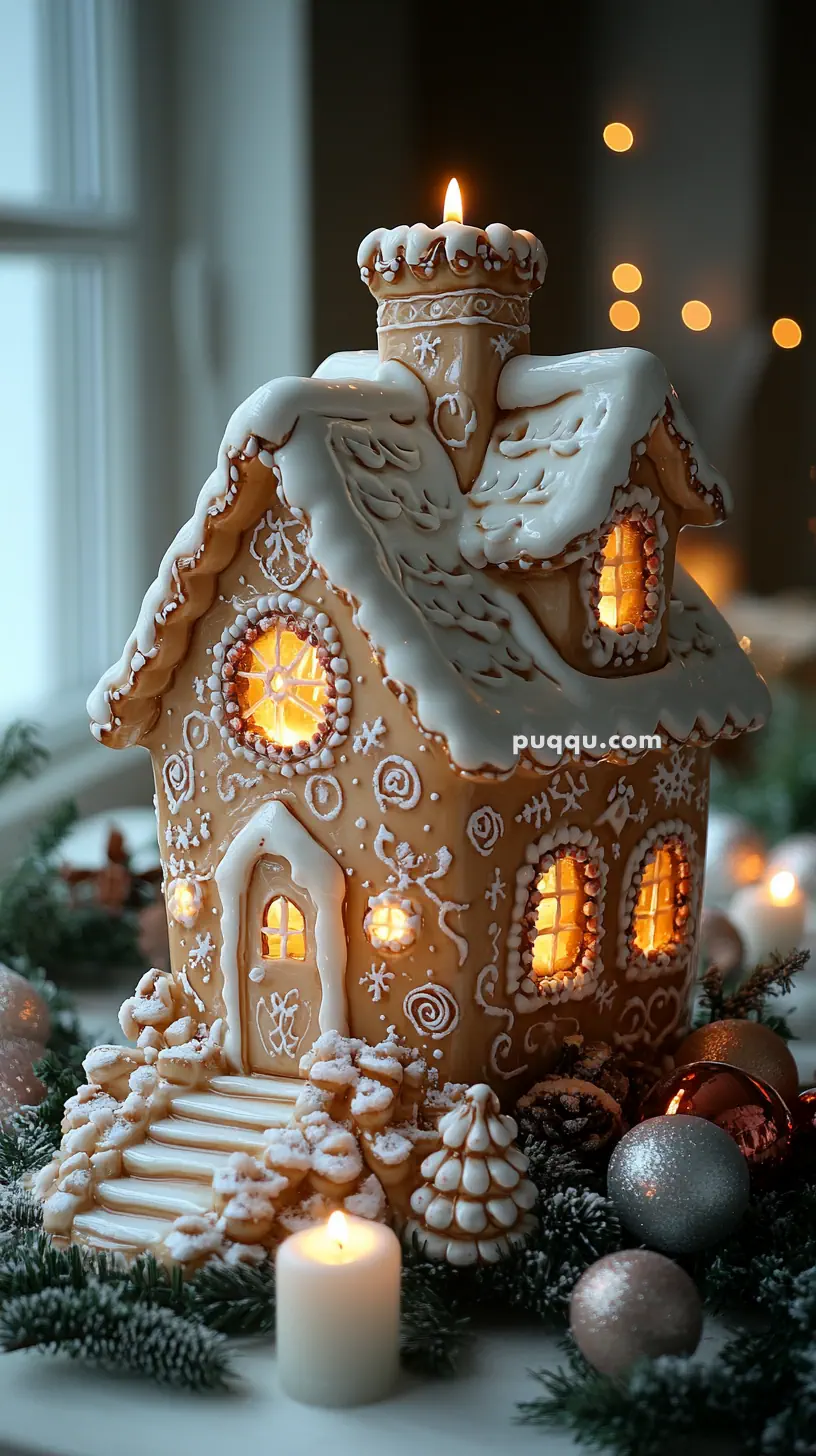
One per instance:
(595, 1062)
(567, 1112)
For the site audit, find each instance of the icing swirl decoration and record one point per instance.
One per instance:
(485, 828)
(324, 796)
(454, 419)
(178, 780)
(432, 1010)
(397, 784)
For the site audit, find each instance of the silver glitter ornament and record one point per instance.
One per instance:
(23, 1012)
(18, 1085)
(632, 1305)
(679, 1183)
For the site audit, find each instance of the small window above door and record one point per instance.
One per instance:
(283, 933)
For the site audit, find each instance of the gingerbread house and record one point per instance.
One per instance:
(430, 706)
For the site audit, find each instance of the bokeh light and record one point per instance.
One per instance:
(786, 333)
(624, 315)
(618, 136)
(627, 277)
(696, 315)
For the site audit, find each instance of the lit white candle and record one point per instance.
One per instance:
(338, 1312)
(770, 917)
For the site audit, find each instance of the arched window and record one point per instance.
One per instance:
(623, 574)
(661, 910)
(560, 921)
(283, 933)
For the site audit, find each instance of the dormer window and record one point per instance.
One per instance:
(623, 575)
(622, 581)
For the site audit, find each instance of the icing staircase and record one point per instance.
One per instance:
(171, 1172)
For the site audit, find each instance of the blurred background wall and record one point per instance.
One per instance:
(183, 185)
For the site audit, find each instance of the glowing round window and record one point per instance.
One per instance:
(279, 689)
(391, 922)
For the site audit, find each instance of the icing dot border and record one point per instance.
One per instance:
(289, 612)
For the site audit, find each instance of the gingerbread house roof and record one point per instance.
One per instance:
(352, 452)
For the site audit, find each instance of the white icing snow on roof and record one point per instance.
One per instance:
(386, 517)
(554, 462)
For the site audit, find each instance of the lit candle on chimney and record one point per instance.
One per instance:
(454, 306)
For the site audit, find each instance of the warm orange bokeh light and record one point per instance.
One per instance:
(747, 866)
(787, 333)
(696, 315)
(624, 315)
(627, 277)
(618, 136)
(283, 937)
(559, 919)
(654, 912)
(782, 887)
(623, 577)
(453, 210)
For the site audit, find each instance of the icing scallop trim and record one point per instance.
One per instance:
(384, 251)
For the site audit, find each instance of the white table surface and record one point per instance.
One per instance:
(49, 1405)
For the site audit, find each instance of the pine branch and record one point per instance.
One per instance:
(21, 753)
(19, 1212)
(774, 979)
(433, 1333)
(236, 1299)
(26, 1144)
(97, 1326)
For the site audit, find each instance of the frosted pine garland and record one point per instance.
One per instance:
(96, 1325)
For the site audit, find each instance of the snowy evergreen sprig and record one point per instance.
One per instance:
(97, 1326)
(236, 1299)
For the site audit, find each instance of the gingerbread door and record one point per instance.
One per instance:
(280, 982)
(283, 951)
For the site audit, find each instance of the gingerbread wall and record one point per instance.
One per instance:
(394, 814)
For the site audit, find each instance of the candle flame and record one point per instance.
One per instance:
(453, 210)
(782, 887)
(338, 1228)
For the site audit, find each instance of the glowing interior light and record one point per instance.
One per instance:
(696, 315)
(183, 901)
(338, 1227)
(390, 926)
(627, 277)
(453, 210)
(787, 333)
(675, 1104)
(624, 315)
(283, 936)
(618, 136)
(282, 688)
(782, 887)
(623, 578)
(559, 923)
(654, 920)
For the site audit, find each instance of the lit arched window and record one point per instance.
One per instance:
(661, 910)
(283, 933)
(560, 921)
(623, 575)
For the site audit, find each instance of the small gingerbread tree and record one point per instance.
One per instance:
(475, 1201)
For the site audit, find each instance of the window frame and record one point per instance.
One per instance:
(609, 646)
(113, 410)
(582, 981)
(640, 965)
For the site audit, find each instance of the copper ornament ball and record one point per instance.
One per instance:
(750, 1111)
(632, 1305)
(749, 1045)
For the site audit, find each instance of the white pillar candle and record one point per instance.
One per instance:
(338, 1312)
(770, 917)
